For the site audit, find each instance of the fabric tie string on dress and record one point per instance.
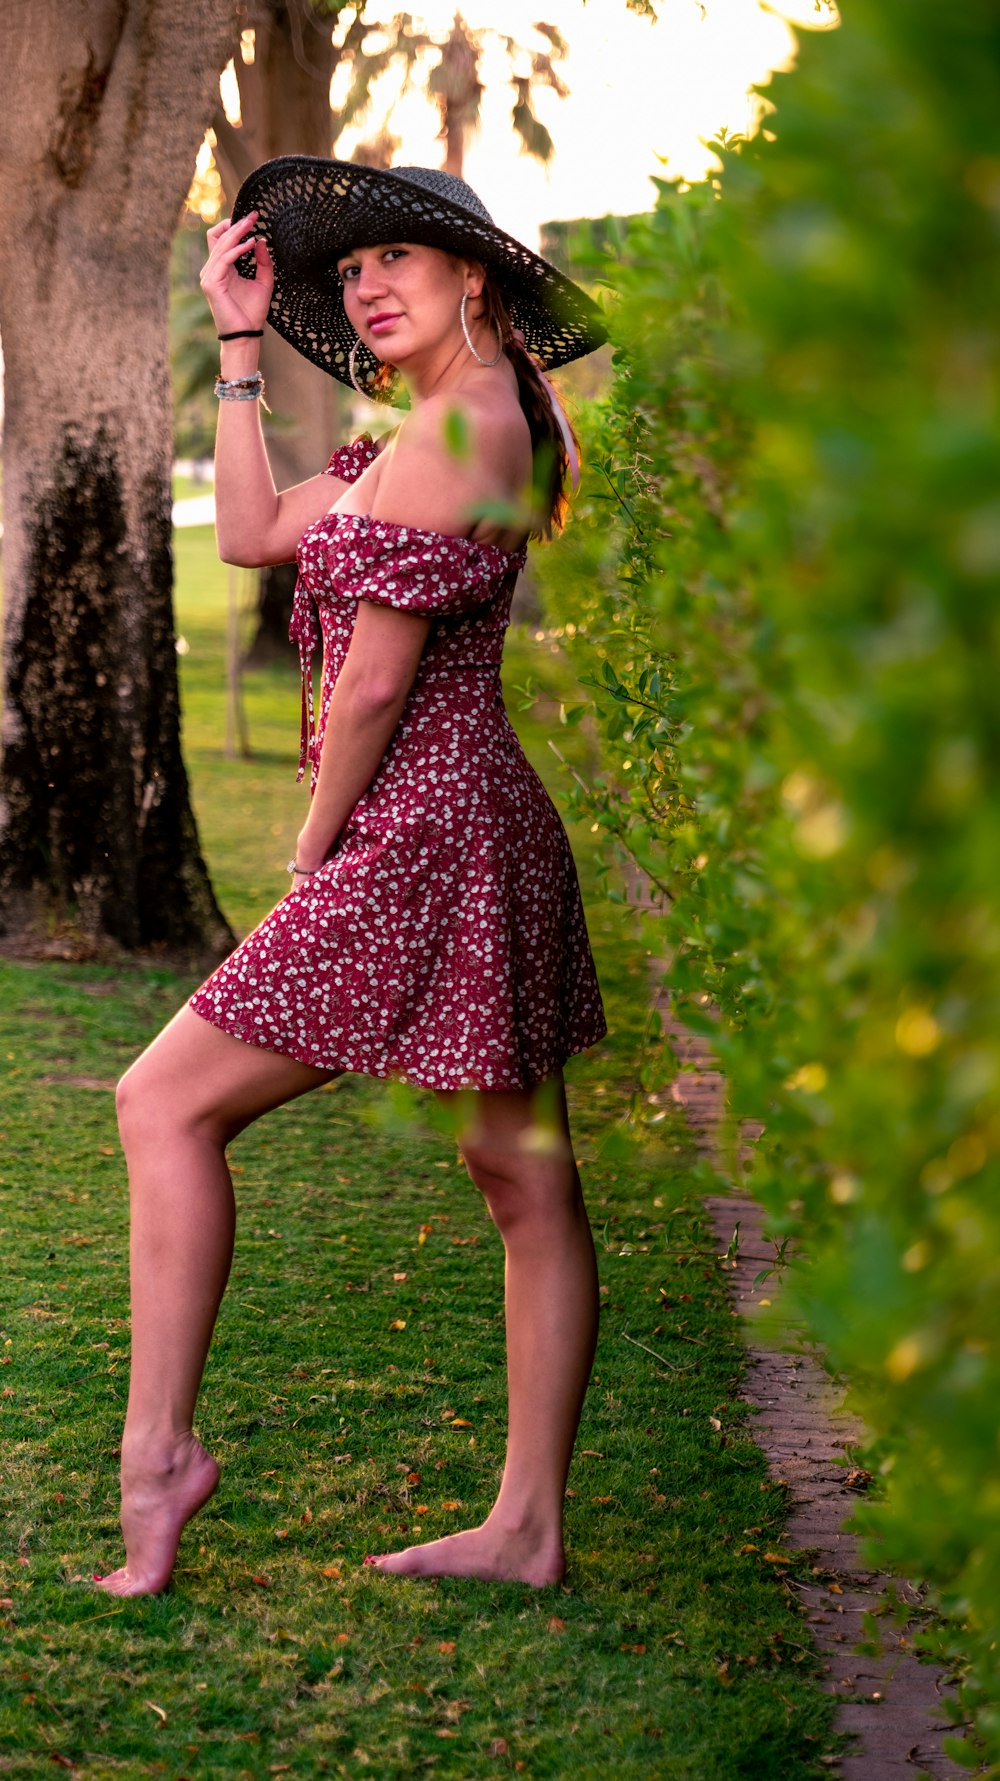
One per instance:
(304, 630)
(347, 463)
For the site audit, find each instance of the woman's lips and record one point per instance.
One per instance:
(377, 324)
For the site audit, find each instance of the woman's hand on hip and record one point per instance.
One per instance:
(237, 302)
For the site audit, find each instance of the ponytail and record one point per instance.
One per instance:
(552, 459)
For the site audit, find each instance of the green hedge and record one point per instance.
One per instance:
(780, 587)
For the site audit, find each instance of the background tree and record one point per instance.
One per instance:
(106, 105)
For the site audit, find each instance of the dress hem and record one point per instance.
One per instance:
(387, 1071)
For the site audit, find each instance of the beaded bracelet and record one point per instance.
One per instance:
(240, 389)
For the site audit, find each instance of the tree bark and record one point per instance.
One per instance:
(108, 101)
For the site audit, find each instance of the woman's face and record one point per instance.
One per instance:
(403, 299)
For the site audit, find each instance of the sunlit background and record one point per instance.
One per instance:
(645, 97)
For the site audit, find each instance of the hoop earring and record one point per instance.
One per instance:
(468, 337)
(351, 361)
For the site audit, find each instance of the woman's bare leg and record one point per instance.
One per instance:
(519, 1153)
(179, 1106)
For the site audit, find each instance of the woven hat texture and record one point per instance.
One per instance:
(312, 211)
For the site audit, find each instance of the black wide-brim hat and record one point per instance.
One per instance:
(313, 211)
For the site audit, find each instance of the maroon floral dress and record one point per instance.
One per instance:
(443, 940)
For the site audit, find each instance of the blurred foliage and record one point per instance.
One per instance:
(780, 587)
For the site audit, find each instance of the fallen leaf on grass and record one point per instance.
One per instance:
(447, 1646)
(398, 1323)
(399, 1276)
(161, 1716)
(262, 1582)
(306, 1517)
(330, 1571)
(601, 1499)
(451, 1505)
(413, 1477)
(835, 1589)
(640, 1650)
(778, 1558)
(459, 1422)
(445, 1734)
(422, 1509)
(556, 1625)
(590, 1453)
(499, 1747)
(749, 1547)
(342, 1639)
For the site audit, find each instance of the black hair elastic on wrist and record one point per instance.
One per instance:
(243, 334)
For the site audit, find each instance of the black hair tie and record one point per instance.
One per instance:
(243, 334)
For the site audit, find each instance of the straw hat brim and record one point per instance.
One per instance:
(312, 211)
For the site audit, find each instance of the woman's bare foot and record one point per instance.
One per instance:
(483, 1552)
(160, 1494)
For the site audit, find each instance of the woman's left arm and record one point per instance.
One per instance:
(366, 705)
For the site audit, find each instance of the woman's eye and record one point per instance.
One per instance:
(394, 253)
(348, 273)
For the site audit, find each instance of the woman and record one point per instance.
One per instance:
(434, 927)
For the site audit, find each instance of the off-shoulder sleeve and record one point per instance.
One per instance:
(429, 573)
(348, 461)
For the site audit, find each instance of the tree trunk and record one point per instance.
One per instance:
(457, 88)
(285, 109)
(111, 98)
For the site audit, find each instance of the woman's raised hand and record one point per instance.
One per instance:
(237, 302)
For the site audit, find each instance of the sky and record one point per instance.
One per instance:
(644, 98)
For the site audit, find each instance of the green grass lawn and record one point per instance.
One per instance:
(355, 1398)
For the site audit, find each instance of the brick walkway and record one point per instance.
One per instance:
(892, 1703)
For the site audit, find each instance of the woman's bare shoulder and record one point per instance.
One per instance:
(449, 455)
(484, 422)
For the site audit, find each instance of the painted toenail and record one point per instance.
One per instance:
(98, 1576)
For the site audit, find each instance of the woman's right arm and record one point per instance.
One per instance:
(254, 524)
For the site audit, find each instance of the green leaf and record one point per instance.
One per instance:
(456, 434)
